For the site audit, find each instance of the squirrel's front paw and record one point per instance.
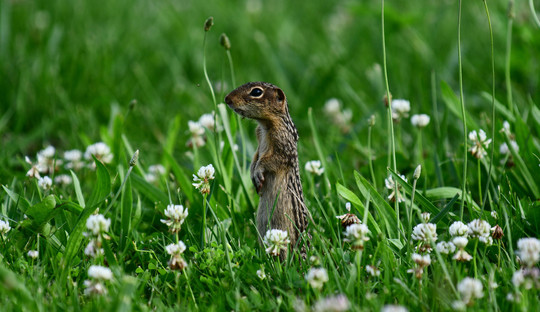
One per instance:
(258, 179)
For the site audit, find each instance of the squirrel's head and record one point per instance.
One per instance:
(258, 100)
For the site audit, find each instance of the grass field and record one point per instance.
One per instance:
(91, 229)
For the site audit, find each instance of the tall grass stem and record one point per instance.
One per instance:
(463, 117)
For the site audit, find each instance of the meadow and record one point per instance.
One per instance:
(419, 153)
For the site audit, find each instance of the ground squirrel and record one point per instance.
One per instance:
(274, 170)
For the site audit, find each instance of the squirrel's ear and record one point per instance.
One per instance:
(280, 95)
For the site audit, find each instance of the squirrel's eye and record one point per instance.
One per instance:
(256, 92)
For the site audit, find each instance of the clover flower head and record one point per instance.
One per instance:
(400, 109)
(394, 308)
(425, 232)
(275, 241)
(73, 159)
(63, 179)
(459, 228)
(316, 277)
(176, 249)
(337, 303)
(461, 255)
(4, 227)
(176, 215)
(196, 130)
(154, 172)
(176, 262)
(94, 287)
(420, 120)
(529, 251)
(373, 270)
(45, 183)
(446, 247)
(480, 229)
(470, 289)
(315, 167)
(98, 224)
(100, 273)
(527, 278)
(425, 216)
(208, 121)
(33, 254)
(93, 249)
(390, 184)
(261, 274)
(99, 150)
(357, 235)
(479, 143)
(504, 149)
(202, 179)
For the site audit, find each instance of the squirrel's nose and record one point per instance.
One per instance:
(228, 100)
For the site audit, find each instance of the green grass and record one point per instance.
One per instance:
(130, 74)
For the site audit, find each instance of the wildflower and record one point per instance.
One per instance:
(176, 262)
(506, 127)
(316, 277)
(100, 151)
(261, 274)
(526, 278)
(421, 262)
(494, 214)
(276, 240)
(98, 224)
(425, 216)
(425, 232)
(529, 251)
(154, 172)
(45, 183)
(208, 23)
(63, 179)
(373, 270)
(357, 234)
(480, 229)
(400, 109)
(208, 121)
(446, 247)
(394, 308)
(336, 303)
(33, 254)
(202, 179)
(479, 143)
(93, 249)
(496, 232)
(504, 149)
(176, 215)
(459, 228)
(417, 172)
(332, 108)
(45, 159)
(35, 169)
(197, 134)
(461, 255)
(98, 275)
(4, 227)
(420, 121)
(73, 159)
(314, 166)
(470, 289)
(314, 260)
(390, 184)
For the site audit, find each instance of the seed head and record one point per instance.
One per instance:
(225, 42)
(208, 23)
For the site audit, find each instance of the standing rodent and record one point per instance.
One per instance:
(274, 170)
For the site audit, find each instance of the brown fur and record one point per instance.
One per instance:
(274, 170)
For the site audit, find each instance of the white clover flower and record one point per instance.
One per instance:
(332, 107)
(420, 120)
(529, 251)
(94, 288)
(202, 179)
(421, 260)
(462, 256)
(459, 228)
(4, 227)
(316, 277)
(518, 278)
(154, 172)
(527, 278)
(261, 274)
(100, 273)
(35, 169)
(425, 232)
(506, 127)
(479, 143)
(98, 224)
(276, 240)
(176, 215)
(373, 270)
(93, 249)
(400, 109)
(99, 150)
(63, 179)
(336, 303)
(494, 214)
(176, 249)
(357, 234)
(394, 308)
(33, 254)
(459, 305)
(47, 152)
(314, 166)
(504, 149)
(480, 229)
(390, 184)
(470, 289)
(197, 134)
(425, 216)
(446, 247)
(207, 121)
(45, 183)
(73, 159)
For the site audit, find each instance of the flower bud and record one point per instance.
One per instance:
(225, 42)
(417, 172)
(208, 23)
